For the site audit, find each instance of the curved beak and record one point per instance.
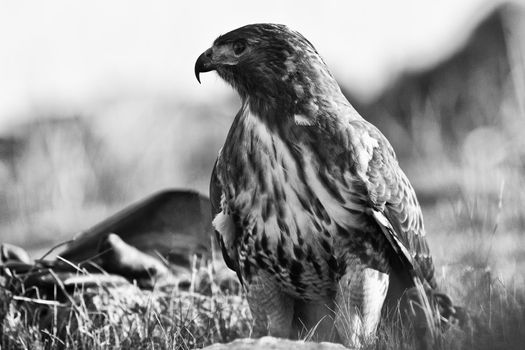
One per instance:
(204, 64)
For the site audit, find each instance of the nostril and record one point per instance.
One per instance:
(208, 53)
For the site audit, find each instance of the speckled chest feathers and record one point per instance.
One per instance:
(285, 211)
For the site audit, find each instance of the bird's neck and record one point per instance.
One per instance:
(323, 101)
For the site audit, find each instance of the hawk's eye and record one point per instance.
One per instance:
(239, 47)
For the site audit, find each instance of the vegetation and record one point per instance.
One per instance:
(172, 317)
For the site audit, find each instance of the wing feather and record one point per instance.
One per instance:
(226, 223)
(391, 199)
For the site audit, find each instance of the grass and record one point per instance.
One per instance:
(123, 316)
(169, 317)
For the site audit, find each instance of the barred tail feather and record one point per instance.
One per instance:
(430, 309)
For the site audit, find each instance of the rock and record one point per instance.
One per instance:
(271, 343)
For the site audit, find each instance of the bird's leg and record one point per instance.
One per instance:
(272, 310)
(359, 299)
(314, 320)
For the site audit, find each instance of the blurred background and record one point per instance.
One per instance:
(99, 107)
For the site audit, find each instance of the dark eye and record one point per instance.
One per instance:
(239, 47)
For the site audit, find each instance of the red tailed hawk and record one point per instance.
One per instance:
(311, 207)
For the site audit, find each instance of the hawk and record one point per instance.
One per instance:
(311, 208)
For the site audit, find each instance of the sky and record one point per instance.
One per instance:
(69, 55)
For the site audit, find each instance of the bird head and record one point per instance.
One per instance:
(273, 66)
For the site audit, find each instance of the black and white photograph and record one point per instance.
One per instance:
(286, 175)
